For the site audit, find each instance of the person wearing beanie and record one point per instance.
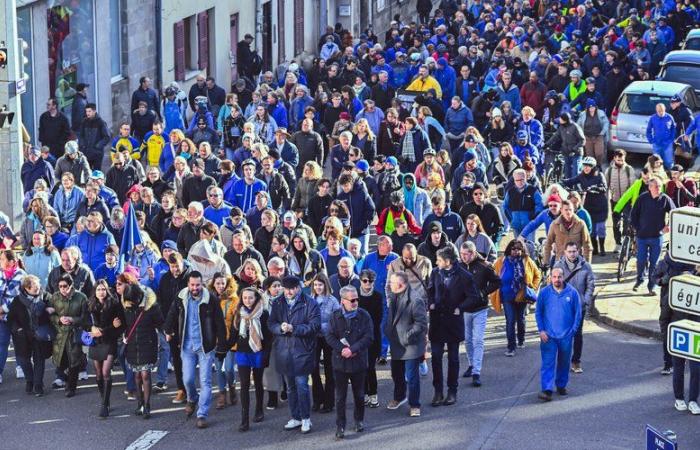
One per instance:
(545, 217)
(576, 87)
(447, 78)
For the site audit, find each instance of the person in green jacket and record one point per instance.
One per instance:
(632, 193)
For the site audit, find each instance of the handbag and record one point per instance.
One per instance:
(85, 337)
(530, 295)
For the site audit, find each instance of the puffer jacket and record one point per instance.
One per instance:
(10, 288)
(142, 346)
(568, 140)
(74, 307)
(294, 352)
(619, 179)
(93, 246)
(581, 277)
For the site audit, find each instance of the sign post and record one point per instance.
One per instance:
(657, 440)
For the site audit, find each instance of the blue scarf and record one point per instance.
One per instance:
(518, 273)
(409, 196)
(349, 314)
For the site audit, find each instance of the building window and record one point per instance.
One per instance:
(191, 45)
(71, 30)
(298, 26)
(24, 31)
(115, 37)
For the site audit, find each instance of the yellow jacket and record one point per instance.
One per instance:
(229, 304)
(532, 279)
(423, 85)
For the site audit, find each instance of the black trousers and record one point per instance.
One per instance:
(371, 378)
(578, 339)
(616, 224)
(438, 349)
(323, 394)
(665, 318)
(244, 377)
(357, 380)
(72, 372)
(33, 365)
(177, 364)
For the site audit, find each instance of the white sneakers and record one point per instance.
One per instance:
(680, 405)
(305, 425)
(0, 379)
(19, 372)
(694, 408)
(292, 424)
(82, 376)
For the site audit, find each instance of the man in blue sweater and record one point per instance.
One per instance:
(661, 131)
(242, 193)
(648, 218)
(558, 315)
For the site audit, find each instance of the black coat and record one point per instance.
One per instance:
(194, 189)
(188, 235)
(359, 334)
(374, 305)
(169, 287)
(486, 281)
(235, 260)
(449, 291)
(54, 132)
(316, 211)
(24, 317)
(142, 345)
(121, 180)
(211, 321)
(102, 318)
(93, 137)
(295, 352)
(490, 218)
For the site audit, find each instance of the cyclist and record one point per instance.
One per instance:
(522, 202)
(619, 177)
(523, 147)
(569, 140)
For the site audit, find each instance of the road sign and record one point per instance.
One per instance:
(657, 440)
(684, 293)
(21, 86)
(684, 339)
(685, 235)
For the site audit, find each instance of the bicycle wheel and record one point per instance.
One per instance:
(623, 259)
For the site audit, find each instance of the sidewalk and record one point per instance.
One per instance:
(618, 306)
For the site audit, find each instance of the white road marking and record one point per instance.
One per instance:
(39, 422)
(147, 440)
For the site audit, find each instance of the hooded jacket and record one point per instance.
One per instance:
(312, 262)
(206, 261)
(142, 347)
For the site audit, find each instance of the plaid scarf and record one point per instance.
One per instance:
(408, 153)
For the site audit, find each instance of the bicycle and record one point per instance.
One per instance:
(555, 171)
(628, 247)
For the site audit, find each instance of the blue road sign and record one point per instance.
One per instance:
(657, 440)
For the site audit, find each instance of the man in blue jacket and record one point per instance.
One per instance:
(451, 223)
(36, 168)
(242, 193)
(361, 207)
(558, 315)
(94, 240)
(447, 77)
(277, 110)
(457, 118)
(661, 131)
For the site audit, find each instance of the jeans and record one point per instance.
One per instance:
(648, 251)
(357, 380)
(474, 330)
(572, 166)
(556, 356)
(4, 343)
(665, 152)
(364, 240)
(385, 342)
(438, 348)
(403, 371)
(515, 316)
(190, 360)
(129, 376)
(578, 337)
(163, 359)
(679, 379)
(225, 371)
(598, 230)
(33, 366)
(298, 396)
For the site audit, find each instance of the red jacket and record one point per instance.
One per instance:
(682, 197)
(407, 215)
(532, 95)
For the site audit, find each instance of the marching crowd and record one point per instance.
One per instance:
(214, 240)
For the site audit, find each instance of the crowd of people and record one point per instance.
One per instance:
(249, 260)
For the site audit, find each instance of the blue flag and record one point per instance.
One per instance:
(131, 236)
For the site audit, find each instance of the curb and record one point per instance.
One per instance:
(627, 327)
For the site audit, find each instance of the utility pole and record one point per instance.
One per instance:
(11, 157)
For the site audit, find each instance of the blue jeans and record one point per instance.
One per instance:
(515, 315)
(385, 341)
(299, 396)
(4, 343)
(405, 372)
(648, 251)
(364, 248)
(665, 152)
(163, 359)
(129, 376)
(572, 166)
(474, 330)
(556, 357)
(225, 374)
(190, 359)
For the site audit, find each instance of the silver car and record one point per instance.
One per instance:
(629, 118)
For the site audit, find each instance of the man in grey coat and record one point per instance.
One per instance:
(405, 327)
(579, 274)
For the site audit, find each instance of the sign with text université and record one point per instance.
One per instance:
(685, 235)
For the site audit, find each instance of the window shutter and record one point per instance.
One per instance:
(179, 50)
(203, 39)
(280, 31)
(298, 26)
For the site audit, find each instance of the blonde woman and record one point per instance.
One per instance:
(364, 139)
(250, 274)
(306, 188)
(226, 289)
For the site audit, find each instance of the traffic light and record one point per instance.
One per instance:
(5, 116)
(3, 55)
(24, 58)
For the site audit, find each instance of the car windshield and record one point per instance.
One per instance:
(642, 104)
(683, 74)
(692, 44)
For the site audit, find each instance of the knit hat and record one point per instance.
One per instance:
(554, 198)
(71, 147)
(496, 112)
(362, 165)
(168, 244)
(558, 58)
(392, 160)
(344, 115)
(590, 102)
(468, 156)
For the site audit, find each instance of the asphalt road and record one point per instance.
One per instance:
(608, 406)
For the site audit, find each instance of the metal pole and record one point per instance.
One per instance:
(10, 135)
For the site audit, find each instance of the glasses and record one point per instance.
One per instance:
(553, 205)
(366, 280)
(351, 300)
(63, 286)
(214, 195)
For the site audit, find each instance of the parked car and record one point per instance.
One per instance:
(629, 118)
(692, 40)
(682, 66)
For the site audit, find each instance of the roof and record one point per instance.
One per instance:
(665, 88)
(683, 56)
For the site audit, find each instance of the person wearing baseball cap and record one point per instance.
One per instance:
(682, 190)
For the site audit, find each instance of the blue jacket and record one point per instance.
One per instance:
(279, 113)
(93, 246)
(447, 77)
(109, 197)
(217, 215)
(534, 131)
(327, 305)
(159, 269)
(452, 224)
(459, 171)
(379, 266)
(143, 262)
(661, 130)
(295, 352)
(512, 95)
(457, 120)
(519, 151)
(242, 194)
(109, 274)
(558, 313)
(401, 75)
(544, 217)
(67, 207)
(41, 170)
(361, 208)
(296, 111)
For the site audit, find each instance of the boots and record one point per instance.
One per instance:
(601, 246)
(245, 418)
(594, 244)
(221, 400)
(100, 387)
(147, 410)
(106, 392)
(139, 406)
(259, 414)
(232, 394)
(72, 381)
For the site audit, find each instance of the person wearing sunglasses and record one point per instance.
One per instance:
(350, 335)
(68, 311)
